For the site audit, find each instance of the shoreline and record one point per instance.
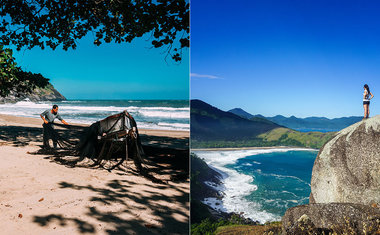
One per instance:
(12, 120)
(150, 115)
(224, 204)
(45, 194)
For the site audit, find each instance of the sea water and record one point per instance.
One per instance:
(262, 183)
(149, 114)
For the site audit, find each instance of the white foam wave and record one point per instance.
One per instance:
(143, 125)
(73, 101)
(287, 192)
(237, 185)
(231, 156)
(214, 203)
(46, 105)
(164, 117)
(218, 187)
(146, 125)
(247, 164)
(284, 176)
(184, 115)
(26, 104)
(176, 125)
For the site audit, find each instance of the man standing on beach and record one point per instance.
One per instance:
(49, 116)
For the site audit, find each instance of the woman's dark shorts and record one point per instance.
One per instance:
(365, 102)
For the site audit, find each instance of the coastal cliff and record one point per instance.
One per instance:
(345, 185)
(49, 93)
(201, 173)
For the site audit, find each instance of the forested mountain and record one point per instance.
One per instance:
(301, 124)
(211, 127)
(211, 123)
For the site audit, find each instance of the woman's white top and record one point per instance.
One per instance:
(366, 96)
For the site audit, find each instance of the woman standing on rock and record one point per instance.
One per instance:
(366, 100)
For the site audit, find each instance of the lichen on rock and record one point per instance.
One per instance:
(347, 168)
(331, 218)
(345, 185)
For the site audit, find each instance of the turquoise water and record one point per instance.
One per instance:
(282, 178)
(153, 114)
(261, 183)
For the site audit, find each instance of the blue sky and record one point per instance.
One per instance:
(110, 71)
(299, 57)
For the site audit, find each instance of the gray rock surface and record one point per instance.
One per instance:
(49, 93)
(341, 218)
(347, 168)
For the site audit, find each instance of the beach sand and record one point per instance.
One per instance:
(41, 194)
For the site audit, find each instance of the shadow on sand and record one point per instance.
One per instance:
(20, 136)
(115, 194)
(164, 156)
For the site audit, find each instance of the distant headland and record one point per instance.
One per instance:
(48, 93)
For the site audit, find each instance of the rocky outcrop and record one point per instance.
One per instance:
(345, 185)
(347, 168)
(49, 93)
(341, 218)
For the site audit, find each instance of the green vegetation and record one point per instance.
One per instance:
(199, 211)
(234, 225)
(309, 123)
(276, 137)
(7, 71)
(200, 172)
(285, 136)
(209, 226)
(273, 228)
(212, 124)
(13, 78)
(198, 169)
(214, 128)
(45, 23)
(320, 123)
(202, 220)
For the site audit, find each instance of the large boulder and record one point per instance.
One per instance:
(331, 218)
(347, 168)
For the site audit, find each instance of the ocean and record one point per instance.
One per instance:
(149, 114)
(261, 183)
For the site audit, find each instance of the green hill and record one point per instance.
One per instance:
(214, 128)
(209, 123)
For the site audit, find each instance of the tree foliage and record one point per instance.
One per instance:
(50, 23)
(7, 71)
(13, 78)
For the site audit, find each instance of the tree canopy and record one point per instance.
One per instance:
(13, 78)
(50, 23)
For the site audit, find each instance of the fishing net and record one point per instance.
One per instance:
(115, 137)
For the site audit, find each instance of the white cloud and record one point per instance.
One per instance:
(196, 75)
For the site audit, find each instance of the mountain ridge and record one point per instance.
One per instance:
(316, 123)
(211, 123)
(214, 128)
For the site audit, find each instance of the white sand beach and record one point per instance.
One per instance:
(41, 195)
